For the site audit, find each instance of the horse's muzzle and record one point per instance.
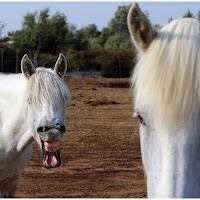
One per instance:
(50, 135)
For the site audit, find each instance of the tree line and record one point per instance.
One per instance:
(57, 33)
(87, 48)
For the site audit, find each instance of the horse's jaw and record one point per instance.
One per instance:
(51, 154)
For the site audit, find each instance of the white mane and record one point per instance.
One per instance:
(169, 73)
(44, 86)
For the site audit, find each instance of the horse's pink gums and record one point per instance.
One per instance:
(52, 144)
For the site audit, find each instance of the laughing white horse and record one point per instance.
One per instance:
(32, 105)
(166, 82)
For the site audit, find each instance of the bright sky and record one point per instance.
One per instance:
(84, 13)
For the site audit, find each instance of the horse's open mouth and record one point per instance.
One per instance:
(51, 154)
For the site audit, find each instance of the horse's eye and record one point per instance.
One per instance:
(29, 101)
(141, 120)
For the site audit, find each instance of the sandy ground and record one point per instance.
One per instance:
(100, 152)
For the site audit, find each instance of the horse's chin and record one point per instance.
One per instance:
(50, 154)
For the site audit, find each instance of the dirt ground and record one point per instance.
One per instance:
(100, 152)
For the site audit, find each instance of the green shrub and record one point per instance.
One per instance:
(112, 62)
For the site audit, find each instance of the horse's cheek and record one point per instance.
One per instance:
(148, 144)
(32, 119)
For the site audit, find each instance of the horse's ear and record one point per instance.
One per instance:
(61, 66)
(27, 66)
(140, 28)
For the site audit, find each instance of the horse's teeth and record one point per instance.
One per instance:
(55, 149)
(51, 149)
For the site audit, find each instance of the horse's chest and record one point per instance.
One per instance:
(11, 167)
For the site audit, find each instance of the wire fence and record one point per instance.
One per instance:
(100, 62)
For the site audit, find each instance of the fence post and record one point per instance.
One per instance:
(119, 64)
(102, 61)
(37, 51)
(29, 52)
(48, 58)
(17, 60)
(67, 62)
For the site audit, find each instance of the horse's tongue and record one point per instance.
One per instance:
(51, 160)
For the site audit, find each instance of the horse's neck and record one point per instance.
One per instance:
(12, 89)
(13, 122)
(11, 86)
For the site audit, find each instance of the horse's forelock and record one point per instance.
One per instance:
(45, 86)
(167, 76)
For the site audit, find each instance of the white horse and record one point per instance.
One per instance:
(166, 82)
(32, 105)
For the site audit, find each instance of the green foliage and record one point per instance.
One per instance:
(80, 42)
(170, 19)
(119, 34)
(198, 15)
(118, 24)
(87, 49)
(103, 36)
(2, 25)
(115, 42)
(55, 33)
(188, 14)
(52, 31)
(91, 31)
(9, 60)
(89, 36)
(118, 63)
(112, 63)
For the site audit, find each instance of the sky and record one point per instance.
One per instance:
(91, 12)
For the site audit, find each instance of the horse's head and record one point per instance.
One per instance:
(166, 82)
(46, 96)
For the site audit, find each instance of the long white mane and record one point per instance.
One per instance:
(169, 73)
(45, 86)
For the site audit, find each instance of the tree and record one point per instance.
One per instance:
(103, 36)
(119, 33)
(24, 39)
(170, 19)
(80, 42)
(2, 25)
(188, 14)
(112, 42)
(90, 34)
(91, 31)
(52, 31)
(118, 24)
(198, 15)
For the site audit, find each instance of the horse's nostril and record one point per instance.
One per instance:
(43, 128)
(62, 128)
(40, 129)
